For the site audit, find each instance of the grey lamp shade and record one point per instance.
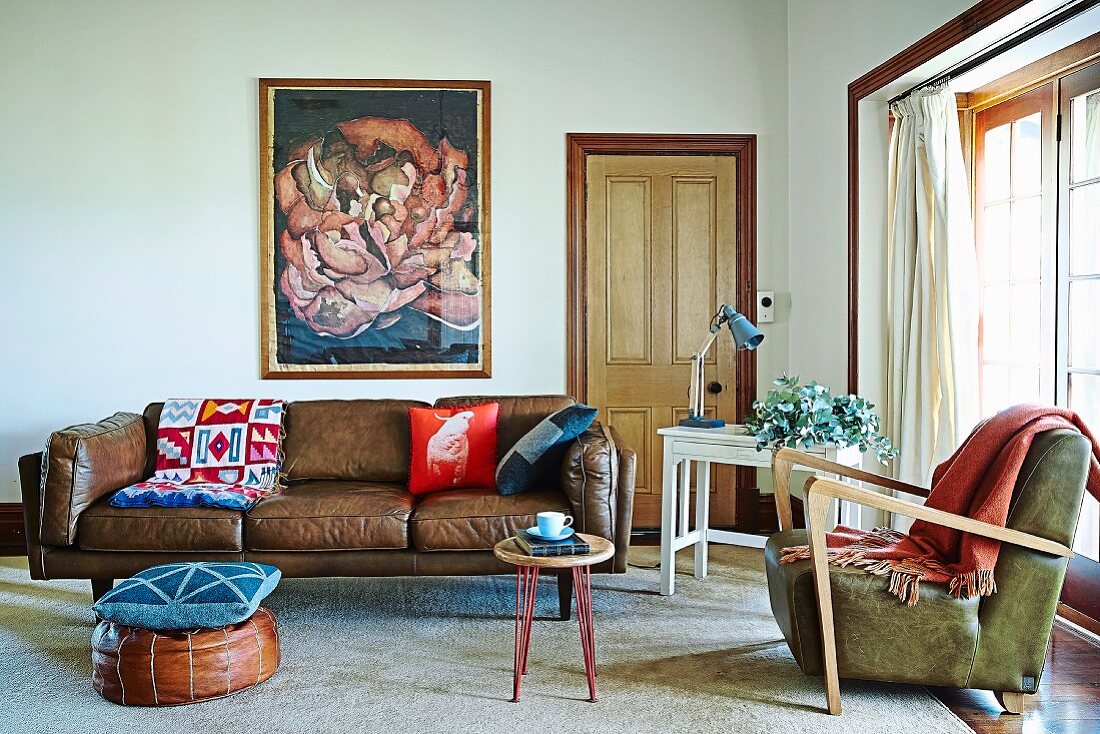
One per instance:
(745, 333)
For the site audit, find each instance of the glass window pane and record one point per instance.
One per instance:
(1023, 385)
(996, 163)
(1088, 527)
(1084, 229)
(1027, 155)
(995, 242)
(994, 389)
(1084, 398)
(996, 311)
(1027, 238)
(1084, 311)
(1084, 136)
(1025, 338)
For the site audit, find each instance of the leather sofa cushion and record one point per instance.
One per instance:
(363, 440)
(322, 515)
(477, 519)
(106, 528)
(877, 636)
(518, 413)
(83, 463)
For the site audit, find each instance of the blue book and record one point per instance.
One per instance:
(532, 546)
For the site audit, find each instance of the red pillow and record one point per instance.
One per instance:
(453, 448)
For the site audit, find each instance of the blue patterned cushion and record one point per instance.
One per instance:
(179, 596)
(542, 448)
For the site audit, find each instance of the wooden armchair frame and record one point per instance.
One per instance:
(820, 492)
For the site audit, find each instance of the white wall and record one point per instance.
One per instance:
(128, 200)
(831, 44)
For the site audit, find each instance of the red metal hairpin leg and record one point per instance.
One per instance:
(582, 582)
(527, 579)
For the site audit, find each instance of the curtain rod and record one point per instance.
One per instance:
(1037, 27)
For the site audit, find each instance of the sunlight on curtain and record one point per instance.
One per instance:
(932, 375)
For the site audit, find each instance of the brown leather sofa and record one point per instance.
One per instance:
(345, 510)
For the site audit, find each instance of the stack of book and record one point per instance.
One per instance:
(532, 546)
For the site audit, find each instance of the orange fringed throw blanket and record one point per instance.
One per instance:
(976, 482)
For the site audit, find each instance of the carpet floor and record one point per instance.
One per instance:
(421, 655)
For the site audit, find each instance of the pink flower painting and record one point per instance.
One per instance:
(377, 229)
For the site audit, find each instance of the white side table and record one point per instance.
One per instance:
(706, 446)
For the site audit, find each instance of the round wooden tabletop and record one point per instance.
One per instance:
(509, 552)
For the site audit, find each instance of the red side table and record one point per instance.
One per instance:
(527, 579)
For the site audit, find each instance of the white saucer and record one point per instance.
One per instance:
(534, 531)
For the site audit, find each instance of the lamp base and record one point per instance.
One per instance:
(702, 422)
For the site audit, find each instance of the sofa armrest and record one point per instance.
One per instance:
(30, 482)
(83, 463)
(597, 475)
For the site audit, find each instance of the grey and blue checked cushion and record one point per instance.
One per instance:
(542, 448)
(192, 595)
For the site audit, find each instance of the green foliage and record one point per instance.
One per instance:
(796, 415)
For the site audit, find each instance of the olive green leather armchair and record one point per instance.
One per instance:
(844, 623)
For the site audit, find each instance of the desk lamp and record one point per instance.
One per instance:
(745, 336)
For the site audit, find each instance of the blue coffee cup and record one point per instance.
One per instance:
(551, 524)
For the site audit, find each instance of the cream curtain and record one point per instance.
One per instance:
(932, 364)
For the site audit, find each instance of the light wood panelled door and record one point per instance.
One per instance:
(661, 234)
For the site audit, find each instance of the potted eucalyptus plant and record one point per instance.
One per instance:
(795, 415)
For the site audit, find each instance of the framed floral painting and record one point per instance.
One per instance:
(374, 222)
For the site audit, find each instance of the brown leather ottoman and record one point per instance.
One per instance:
(138, 667)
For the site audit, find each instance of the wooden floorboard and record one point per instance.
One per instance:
(1068, 701)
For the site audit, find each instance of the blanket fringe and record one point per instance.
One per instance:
(974, 583)
(905, 575)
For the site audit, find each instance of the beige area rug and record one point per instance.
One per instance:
(427, 655)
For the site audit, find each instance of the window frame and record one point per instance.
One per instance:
(1037, 99)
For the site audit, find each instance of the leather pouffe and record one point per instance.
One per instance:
(138, 667)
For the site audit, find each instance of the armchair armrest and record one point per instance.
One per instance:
(597, 476)
(819, 495)
(83, 463)
(785, 460)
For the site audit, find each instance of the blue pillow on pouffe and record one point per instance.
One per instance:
(542, 447)
(179, 596)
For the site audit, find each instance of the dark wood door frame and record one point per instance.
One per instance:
(743, 148)
(952, 33)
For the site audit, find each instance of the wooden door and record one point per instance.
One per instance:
(661, 251)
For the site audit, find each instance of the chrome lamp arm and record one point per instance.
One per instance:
(745, 336)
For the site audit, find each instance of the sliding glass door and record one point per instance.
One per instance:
(1037, 217)
(1079, 295)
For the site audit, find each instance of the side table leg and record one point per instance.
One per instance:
(582, 582)
(702, 517)
(684, 497)
(668, 522)
(527, 579)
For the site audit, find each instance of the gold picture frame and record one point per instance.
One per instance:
(374, 228)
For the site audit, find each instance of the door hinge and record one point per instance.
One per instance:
(1058, 128)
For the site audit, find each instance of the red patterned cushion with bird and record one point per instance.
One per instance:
(453, 448)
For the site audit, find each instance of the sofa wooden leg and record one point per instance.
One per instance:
(565, 596)
(101, 587)
(1013, 703)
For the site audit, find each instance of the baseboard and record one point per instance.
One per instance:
(13, 537)
(1083, 621)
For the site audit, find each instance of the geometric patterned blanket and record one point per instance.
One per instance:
(212, 453)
